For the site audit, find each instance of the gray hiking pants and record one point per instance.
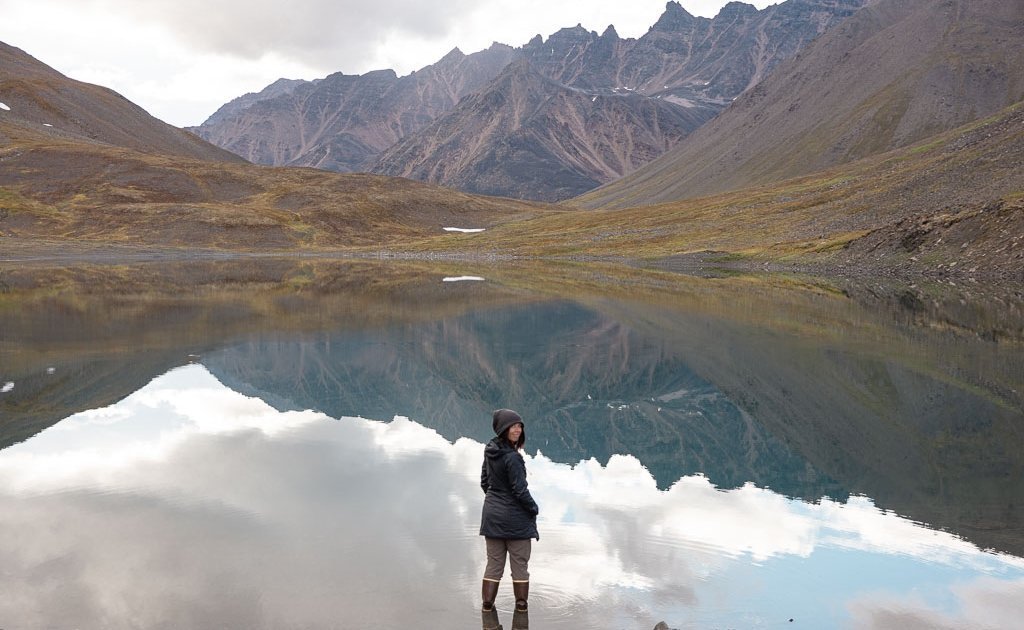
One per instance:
(517, 550)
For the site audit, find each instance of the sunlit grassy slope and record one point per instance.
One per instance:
(66, 188)
(970, 174)
(956, 197)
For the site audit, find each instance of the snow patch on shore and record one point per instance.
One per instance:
(463, 230)
(462, 278)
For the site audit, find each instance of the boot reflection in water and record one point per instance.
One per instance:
(520, 620)
(490, 620)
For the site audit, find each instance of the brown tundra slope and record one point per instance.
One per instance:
(69, 193)
(950, 205)
(39, 96)
(895, 73)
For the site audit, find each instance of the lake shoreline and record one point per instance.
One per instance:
(704, 264)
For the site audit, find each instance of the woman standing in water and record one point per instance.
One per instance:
(509, 518)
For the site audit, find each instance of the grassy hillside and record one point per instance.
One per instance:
(951, 204)
(889, 210)
(59, 188)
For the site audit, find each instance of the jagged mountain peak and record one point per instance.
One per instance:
(571, 35)
(736, 9)
(284, 83)
(277, 88)
(374, 75)
(610, 33)
(674, 18)
(386, 73)
(454, 54)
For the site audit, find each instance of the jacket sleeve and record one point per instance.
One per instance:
(484, 479)
(516, 469)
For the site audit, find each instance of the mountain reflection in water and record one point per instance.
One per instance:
(588, 385)
(190, 505)
(710, 452)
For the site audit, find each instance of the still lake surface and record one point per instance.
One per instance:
(297, 444)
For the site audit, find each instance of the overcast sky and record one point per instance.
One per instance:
(182, 59)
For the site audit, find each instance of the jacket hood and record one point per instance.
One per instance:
(503, 419)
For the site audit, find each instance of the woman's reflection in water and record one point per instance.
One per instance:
(520, 620)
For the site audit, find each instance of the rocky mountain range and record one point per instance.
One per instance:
(608, 105)
(897, 72)
(341, 121)
(530, 137)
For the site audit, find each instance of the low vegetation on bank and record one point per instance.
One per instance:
(951, 205)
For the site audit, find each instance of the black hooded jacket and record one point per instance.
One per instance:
(509, 510)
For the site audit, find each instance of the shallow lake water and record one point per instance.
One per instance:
(297, 444)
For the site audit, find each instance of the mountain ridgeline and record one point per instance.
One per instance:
(546, 121)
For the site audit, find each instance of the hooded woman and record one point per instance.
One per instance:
(509, 518)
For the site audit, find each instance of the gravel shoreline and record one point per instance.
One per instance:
(705, 264)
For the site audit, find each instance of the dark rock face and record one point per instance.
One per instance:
(675, 77)
(529, 137)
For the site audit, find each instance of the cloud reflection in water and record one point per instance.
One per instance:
(190, 505)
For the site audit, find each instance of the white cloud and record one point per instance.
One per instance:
(213, 494)
(182, 59)
(981, 603)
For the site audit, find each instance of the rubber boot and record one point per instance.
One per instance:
(522, 593)
(488, 593)
(520, 620)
